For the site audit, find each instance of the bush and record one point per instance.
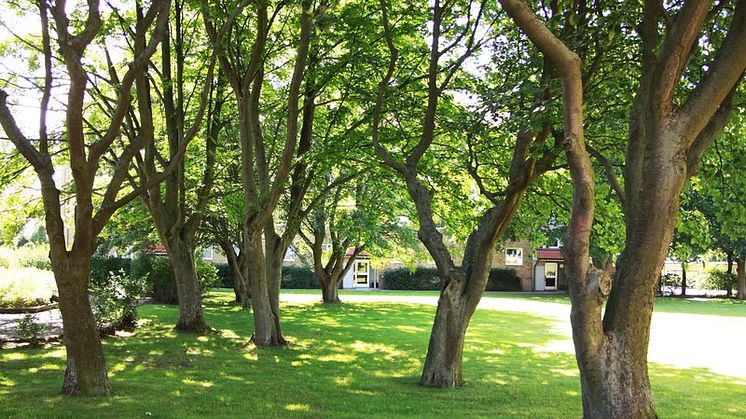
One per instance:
(114, 300)
(103, 267)
(30, 330)
(402, 279)
(160, 277)
(29, 256)
(225, 274)
(299, 277)
(26, 287)
(721, 280)
(503, 280)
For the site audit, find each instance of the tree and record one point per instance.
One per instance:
(86, 370)
(264, 170)
(497, 193)
(360, 215)
(678, 110)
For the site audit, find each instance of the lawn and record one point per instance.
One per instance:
(696, 305)
(350, 360)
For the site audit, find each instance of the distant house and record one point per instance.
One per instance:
(362, 275)
(549, 270)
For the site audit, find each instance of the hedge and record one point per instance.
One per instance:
(102, 267)
(428, 279)
(299, 277)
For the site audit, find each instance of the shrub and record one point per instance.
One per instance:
(225, 274)
(503, 280)
(30, 330)
(299, 277)
(402, 279)
(721, 280)
(26, 287)
(160, 277)
(28, 256)
(103, 267)
(114, 300)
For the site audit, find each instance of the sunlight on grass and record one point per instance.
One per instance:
(296, 407)
(366, 365)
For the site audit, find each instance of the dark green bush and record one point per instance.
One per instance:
(403, 279)
(225, 274)
(503, 280)
(114, 300)
(159, 276)
(299, 277)
(428, 279)
(103, 267)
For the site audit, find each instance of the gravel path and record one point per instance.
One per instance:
(51, 318)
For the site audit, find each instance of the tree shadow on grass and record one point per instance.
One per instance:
(348, 360)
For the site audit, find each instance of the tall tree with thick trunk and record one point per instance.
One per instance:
(464, 283)
(265, 169)
(671, 126)
(86, 370)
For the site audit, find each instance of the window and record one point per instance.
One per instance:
(514, 256)
(289, 255)
(208, 253)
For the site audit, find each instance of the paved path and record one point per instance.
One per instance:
(681, 340)
(9, 322)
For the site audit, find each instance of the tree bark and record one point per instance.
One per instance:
(741, 271)
(181, 254)
(86, 369)
(683, 279)
(330, 291)
(266, 323)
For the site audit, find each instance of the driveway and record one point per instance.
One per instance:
(679, 340)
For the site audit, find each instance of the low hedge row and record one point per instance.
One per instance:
(428, 279)
(293, 277)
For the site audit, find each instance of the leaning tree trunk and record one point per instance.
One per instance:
(741, 271)
(266, 330)
(86, 369)
(443, 365)
(181, 255)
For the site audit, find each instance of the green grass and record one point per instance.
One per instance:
(711, 306)
(351, 360)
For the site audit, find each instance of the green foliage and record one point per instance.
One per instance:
(299, 277)
(114, 299)
(403, 279)
(225, 275)
(159, 277)
(103, 267)
(30, 330)
(503, 280)
(28, 256)
(721, 280)
(26, 287)
(427, 279)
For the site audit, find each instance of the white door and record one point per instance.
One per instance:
(539, 279)
(362, 273)
(550, 276)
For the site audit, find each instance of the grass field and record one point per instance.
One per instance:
(350, 360)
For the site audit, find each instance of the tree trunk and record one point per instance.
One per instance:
(191, 319)
(443, 364)
(266, 325)
(683, 279)
(729, 290)
(741, 270)
(330, 291)
(86, 369)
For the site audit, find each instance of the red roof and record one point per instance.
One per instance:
(549, 254)
(362, 255)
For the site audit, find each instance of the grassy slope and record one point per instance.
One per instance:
(352, 360)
